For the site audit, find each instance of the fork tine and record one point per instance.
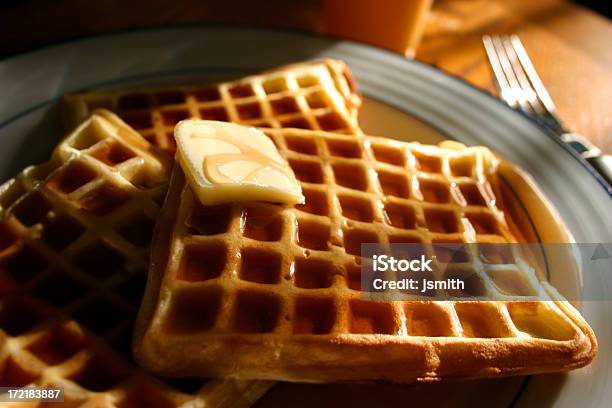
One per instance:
(504, 60)
(528, 92)
(532, 75)
(500, 79)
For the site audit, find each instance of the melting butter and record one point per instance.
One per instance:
(225, 162)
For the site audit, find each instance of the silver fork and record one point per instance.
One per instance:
(520, 86)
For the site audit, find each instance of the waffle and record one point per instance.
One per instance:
(317, 95)
(257, 290)
(74, 249)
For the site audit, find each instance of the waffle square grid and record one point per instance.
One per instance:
(240, 277)
(317, 95)
(74, 249)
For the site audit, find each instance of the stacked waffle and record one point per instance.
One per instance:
(73, 260)
(317, 95)
(251, 291)
(75, 235)
(258, 290)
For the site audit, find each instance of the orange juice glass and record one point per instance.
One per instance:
(392, 24)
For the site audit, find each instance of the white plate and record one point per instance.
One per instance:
(398, 91)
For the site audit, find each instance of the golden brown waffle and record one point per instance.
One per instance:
(74, 249)
(317, 95)
(256, 290)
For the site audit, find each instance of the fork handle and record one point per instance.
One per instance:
(591, 153)
(603, 165)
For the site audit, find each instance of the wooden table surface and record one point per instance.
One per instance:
(569, 45)
(571, 48)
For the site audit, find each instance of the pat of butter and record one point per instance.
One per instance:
(225, 162)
